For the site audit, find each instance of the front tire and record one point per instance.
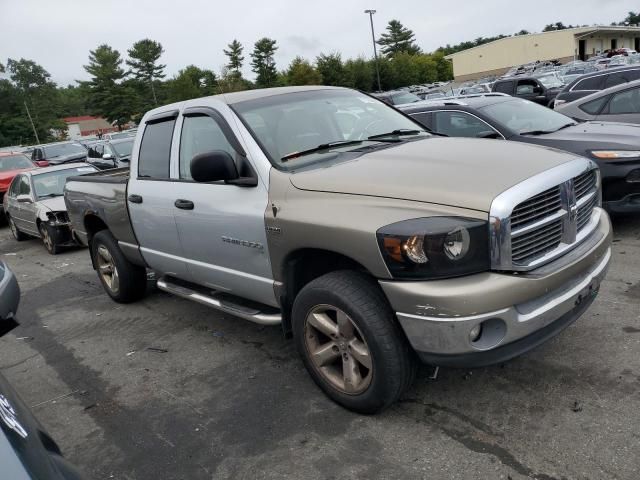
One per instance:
(350, 343)
(121, 279)
(17, 234)
(48, 239)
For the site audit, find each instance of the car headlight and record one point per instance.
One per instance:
(616, 154)
(435, 247)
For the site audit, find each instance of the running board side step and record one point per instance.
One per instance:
(215, 300)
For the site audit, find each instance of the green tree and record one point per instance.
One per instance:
(397, 39)
(234, 54)
(191, 82)
(143, 60)
(232, 81)
(109, 96)
(301, 72)
(359, 74)
(331, 69)
(263, 63)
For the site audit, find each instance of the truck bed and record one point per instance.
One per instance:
(100, 198)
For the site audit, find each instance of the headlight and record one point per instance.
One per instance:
(57, 218)
(436, 247)
(616, 154)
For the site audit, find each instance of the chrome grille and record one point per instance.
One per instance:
(557, 215)
(535, 208)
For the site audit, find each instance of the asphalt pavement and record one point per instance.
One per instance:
(168, 389)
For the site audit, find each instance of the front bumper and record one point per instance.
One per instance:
(516, 312)
(9, 294)
(621, 186)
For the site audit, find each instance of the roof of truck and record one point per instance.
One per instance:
(237, 97)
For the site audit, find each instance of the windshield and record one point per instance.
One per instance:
(14, 162)
(295, 122)
(62, 149)
(404, 97)
(551, 80)
(119, 135)
(123, 148)
(523, 116)
(51, 184)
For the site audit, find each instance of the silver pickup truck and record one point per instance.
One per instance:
(373, 242)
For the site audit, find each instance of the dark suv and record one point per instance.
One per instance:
(529, 88)
(594, 82)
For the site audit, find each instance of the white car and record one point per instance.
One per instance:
(34, 205)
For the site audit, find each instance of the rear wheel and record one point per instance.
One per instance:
(48, 239)
(17, 234)
(350, 342)
(121, 279)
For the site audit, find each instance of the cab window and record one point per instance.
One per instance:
(504, 87)
(200, 134)
(155, 150)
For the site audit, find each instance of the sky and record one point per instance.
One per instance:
(58, 34)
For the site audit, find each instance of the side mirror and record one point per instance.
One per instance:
(213, 166)
(107, 156)
(24, 199)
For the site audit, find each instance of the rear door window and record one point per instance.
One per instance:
(593, 107)
(504, 87)
(155, 150)
(593, 83)
(424, 118)
(627, 101)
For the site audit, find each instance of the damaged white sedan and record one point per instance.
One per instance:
(34, 205)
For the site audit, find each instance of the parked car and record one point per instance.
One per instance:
(34, 205)
(119, 135)
(365, 241)
(11, 163)
(529, 88)
(9, 296)
(614, 147)
(615, 104)
(594, 82)
(397, 97)
(27, 452)
(59, 153)
(110, 154)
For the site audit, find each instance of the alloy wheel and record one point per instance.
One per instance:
(107, 269)
(46, 238)
(338, 350)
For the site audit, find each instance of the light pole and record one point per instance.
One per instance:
(375, 50)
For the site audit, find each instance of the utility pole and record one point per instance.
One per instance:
(375, 50)
(31, 120)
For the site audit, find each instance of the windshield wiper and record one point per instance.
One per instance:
(546, 132)
(400, 131)
(320, 148)
(51, 195)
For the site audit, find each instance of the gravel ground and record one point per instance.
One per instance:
(168, 389)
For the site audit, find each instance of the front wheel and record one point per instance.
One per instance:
(48, 239)
(350, 342)
(121, 279)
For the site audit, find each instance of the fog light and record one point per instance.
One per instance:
(475, 333)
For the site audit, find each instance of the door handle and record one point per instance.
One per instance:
(184, 204)
(135, 198)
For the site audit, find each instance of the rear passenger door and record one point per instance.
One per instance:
(222, 226)
(150, 198)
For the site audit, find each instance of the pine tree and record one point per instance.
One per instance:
(235, 57)
(263, 63)
(397, 39)
(143, 60)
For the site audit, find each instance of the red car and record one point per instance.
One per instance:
(12, 163)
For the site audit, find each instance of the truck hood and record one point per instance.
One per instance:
(459, 172)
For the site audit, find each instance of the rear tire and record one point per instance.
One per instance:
(350, 342)
(17, 234)
(121, 279)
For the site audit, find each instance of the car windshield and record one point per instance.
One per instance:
(285, 124)
(62, 149)
(14, 162)
(524, 117)
(123, 148)
(120, 135)
(404, 97)
(551, 80)
(51, 184)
